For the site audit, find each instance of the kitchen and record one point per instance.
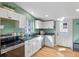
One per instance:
(24, 35)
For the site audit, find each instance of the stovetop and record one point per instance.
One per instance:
(11, 44)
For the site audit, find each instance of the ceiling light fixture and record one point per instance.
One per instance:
(46, 15)
(32, 12)
(77, 10)
(61, 19)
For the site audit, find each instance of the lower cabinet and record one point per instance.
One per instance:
(49, 41)
(28, 48)
(36, 46)
(32, 46)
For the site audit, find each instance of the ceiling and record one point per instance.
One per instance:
(51, 10)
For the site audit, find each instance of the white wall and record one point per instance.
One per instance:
(64, 38)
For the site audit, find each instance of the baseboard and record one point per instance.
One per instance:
(62, 46)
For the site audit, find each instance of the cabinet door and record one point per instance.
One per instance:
(12, 15)
(51, 24)
(48, 24)
(49, 41)
(28, 49)
(22, 21)
(16, 16)
(38, 24)
(34, 46)
(40, 40)
(38, 45)
(3, 13)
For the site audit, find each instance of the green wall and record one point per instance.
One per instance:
(76, 30)
(9, 26)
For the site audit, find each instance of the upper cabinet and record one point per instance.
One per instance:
(44, 25)
(3, 13)
(38, 24)
(48, 24)
(12, 15)
(6, 13)
(22, 21)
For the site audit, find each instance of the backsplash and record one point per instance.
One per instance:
(17, 9)
(45, 30)
(10, 26)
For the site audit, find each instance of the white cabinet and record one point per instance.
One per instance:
(44, 25)
(28, 48)
(3, 13)
(49, 24)
(12, 15)
(22, 21)
(36, 46)
(32, 46)
(38, 24)
(49, 40)
(6, 13)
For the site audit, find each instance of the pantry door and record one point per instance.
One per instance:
(64, 33)
(76, 30)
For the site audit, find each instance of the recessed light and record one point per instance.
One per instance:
(77, 10)
(32, 12)
(61, 19)
(46, 15)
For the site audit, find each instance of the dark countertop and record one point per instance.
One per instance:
(7, 41)
(28, 37)
(45, 34)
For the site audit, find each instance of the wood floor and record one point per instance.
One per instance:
(55, 52)
(19, 52)
(45, 52)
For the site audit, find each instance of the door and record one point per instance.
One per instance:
(61, 35)
(76, 34)
(64, 33)
(76, 30)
